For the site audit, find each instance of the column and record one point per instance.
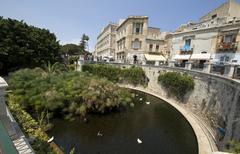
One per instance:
(79, 65)
(188, 65)
(207, 67)
(156, 63)
(171, 63)
(229, 70)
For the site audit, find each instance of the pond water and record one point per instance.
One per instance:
(160, 127)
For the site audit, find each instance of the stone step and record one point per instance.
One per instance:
(22, 146)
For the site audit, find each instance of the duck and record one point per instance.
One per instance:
(148, 103)
(51, 139)
(99, 133)
(139, 141)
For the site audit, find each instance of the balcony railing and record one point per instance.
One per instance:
(227, 47)
(186, 49)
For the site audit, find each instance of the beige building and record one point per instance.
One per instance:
(136, 42)
(214, 38)
(105, 47)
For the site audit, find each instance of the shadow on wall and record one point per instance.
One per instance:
(215, 99)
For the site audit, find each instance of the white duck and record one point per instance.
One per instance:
(51, 139)
(139, 141)
(99, 134)
(148, 103)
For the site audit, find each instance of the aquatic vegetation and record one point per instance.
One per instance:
(70, 94)
(133, 75)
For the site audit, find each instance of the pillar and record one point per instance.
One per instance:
(156, 63)
(79, 65)
(188, 65)
(207, 67)
(144, 62)
(229, 70)
(171, 63)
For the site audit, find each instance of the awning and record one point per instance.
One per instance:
(203, 56)
(154, 57)
(181, 57)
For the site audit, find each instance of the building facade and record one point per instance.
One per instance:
(105, 47)
(214, 38)
(134, 39)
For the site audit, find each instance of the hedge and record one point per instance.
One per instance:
(30, 127)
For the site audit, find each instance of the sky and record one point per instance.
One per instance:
(69, 19)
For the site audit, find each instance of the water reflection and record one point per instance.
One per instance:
(161, 128)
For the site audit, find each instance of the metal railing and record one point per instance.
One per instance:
(227, 47)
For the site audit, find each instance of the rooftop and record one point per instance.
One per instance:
(105, 28)
(131, 17)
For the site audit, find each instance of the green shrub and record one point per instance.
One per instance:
(69, 93)
(30, 127)
(133, 75)
(176, 83)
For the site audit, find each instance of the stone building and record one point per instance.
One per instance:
(138, 43)
(105, 47)
(214, 38)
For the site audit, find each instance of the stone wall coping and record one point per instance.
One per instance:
(3, 83)
(230, 81)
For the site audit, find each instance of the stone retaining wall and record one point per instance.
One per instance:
(215, 100)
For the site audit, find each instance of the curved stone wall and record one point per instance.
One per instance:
(214, 102)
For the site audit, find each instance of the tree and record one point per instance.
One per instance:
(24, 46)
(70, 49)
(84, 43)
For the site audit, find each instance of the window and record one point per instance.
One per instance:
(228, 38)
(137, 28)
(214, 16)
(150, 47)
(136, 44)
(188, 42)
(227, 59)
(157, 47)
(224, 59)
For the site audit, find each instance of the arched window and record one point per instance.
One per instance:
(136, 44)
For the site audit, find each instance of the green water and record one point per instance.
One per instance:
(161, 128)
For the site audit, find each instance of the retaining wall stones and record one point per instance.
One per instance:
(215, 100)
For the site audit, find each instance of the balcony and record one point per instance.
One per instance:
(227, 47)
(186, 49)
